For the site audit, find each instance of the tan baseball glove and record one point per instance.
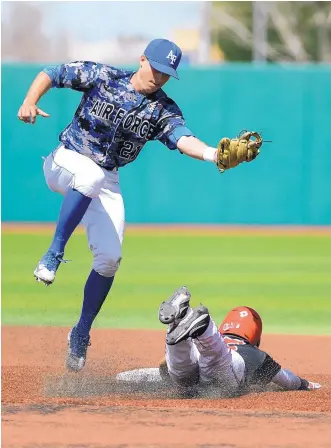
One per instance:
(244, 148)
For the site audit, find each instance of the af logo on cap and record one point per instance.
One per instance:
(172, 57)
(164, 56)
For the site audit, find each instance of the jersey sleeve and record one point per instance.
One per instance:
(267, 371)
(171, 126)
(81, 75)
(289, 381)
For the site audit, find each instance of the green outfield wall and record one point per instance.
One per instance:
(290, 183)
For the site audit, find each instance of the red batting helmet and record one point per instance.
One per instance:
(245, 322)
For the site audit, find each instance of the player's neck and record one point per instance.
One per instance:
(135, 81)
(138, 85)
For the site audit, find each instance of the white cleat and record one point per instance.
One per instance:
(46, 269)
(43, 275)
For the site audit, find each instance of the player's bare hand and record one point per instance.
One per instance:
(28, 113)
(312, 386)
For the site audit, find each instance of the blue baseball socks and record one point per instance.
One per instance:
(96, 290)
(72, 211)
(97, 287)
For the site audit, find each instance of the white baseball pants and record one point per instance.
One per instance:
(104, 219)
(207, 356)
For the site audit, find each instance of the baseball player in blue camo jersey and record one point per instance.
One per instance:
(118, 113)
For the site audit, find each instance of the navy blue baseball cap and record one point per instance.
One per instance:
(164, 56)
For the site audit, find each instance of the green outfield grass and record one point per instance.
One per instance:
(286, 278)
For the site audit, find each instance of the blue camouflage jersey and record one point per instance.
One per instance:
(113, 121)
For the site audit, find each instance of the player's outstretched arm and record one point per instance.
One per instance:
(29, 110)
(229, 152)
(80, 76)
(289, 381)
(193, 147)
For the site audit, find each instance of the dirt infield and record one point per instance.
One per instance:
(45, 407)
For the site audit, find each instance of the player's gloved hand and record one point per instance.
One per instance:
(244, 148)
(28, 113)
(312, 386)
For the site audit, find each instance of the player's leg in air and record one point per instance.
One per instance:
(80, 180)
(195, 350)
(92, 195)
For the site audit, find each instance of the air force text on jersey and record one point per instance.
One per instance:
(138, 126)
(113, 121)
